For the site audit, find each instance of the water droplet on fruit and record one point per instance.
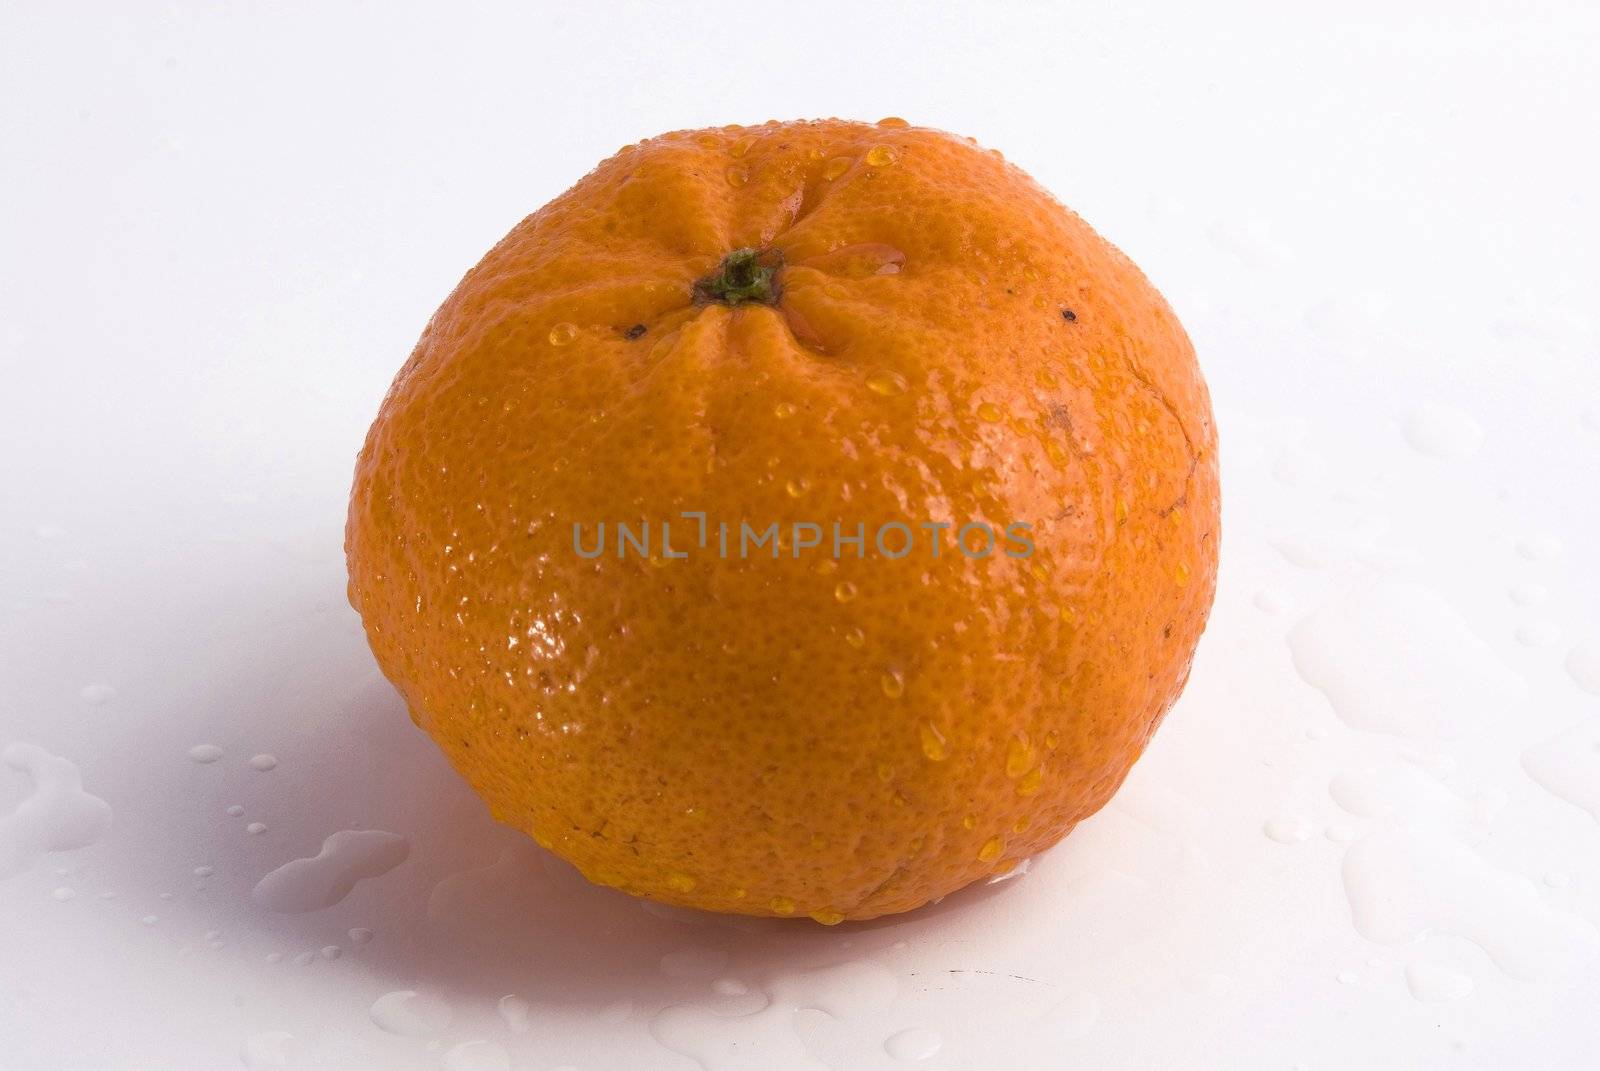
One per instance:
(989, 413)
(991, 850)
(893, 684)
(880, 156)
(844, 591)
(784, 410)
(797, 486)
(680, 882)
(855, 638)
(886, 382)
(742, 146)
(836, 167)
(933, 742)
(1019, 757)
(827, 916)
(563, 334)
(1031, 781)
(893, 122)
(782, 905)
(737, 176)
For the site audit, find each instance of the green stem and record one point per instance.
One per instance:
(745, 276)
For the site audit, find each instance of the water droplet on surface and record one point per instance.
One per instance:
(205, 753)
(693, 964)
(933, 742)
(1442, 431)
(729, 987)
(330, 952)
(62, 893)
(1405, 883)
(1432, 983)
(359, 936)
(477, 1056)
(56, 816)
(515, 1011)
(913, 1044)
(1288, 830)
(563, 334)
(263, 762)
(1529, 594)
(150, 920)
(1340, 833)
(256, 828)
(236, 811)
(1307, 552)
(1568, 765)
(886, 382)
(1396, 658)
(267, 1051)
(1583, 665)
(204, 871)
(856, 993)
(880, 156)
(1538, 634)
(410, 1013)
(1538, 548)
(322, 880)
(97, 694)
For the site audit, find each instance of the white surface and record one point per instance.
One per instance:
(1368, 836)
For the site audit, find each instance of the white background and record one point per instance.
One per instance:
(222, 230)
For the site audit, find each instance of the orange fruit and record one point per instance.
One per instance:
(798, 325)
